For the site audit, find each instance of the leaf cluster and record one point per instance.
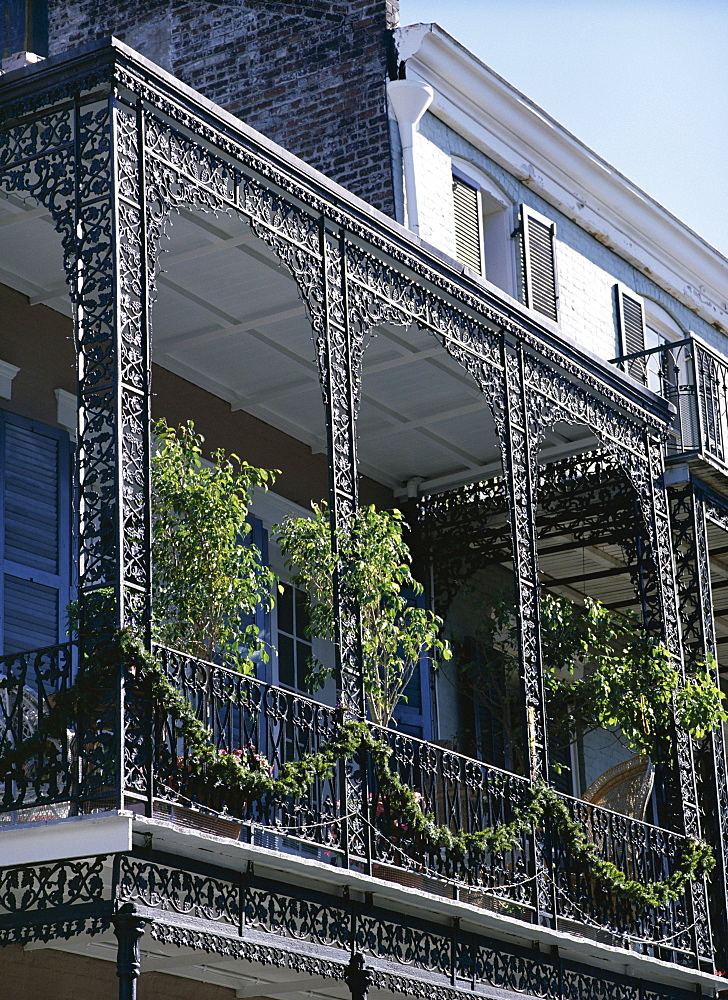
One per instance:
(124, 651)
(206, 571)
(370, 559)
(603, 669)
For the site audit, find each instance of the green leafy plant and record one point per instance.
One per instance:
(603, 670)
(123, 651)
(373, 563)
(206, 572)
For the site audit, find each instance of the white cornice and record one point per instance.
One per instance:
(505, 125)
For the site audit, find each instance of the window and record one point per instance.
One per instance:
(24, 28)
(294, 644)
(483, 227)
(540, 286)
(35, 536)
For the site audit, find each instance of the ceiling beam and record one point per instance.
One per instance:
(437, 418)
(49, 294)
(23, 215)
(248, 325)
(404, 359)
(197, 253)
(440, 484)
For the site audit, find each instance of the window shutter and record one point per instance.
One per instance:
(539, 263)
(631, 321)
(35, 537)
(468, 229)
(414, 716)
(258, 536)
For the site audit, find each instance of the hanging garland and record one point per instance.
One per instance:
(124, 649)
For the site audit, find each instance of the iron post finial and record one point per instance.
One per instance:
(358, 977)
(129, 929)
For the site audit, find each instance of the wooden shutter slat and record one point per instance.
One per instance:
(35, 536)
(468, 235)
(631, 319)
(539, 263)
(31, 615)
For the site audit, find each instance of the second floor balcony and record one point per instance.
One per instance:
(302, 329)
(693, 376)
(134, 759)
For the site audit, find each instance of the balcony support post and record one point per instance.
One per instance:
(129, 930)
(86, 171)
(695, 600)
(358, 978)
(108, 275)
(518, 453)
(107, 271)
(654, 499)
(518, 448)
(339, 352)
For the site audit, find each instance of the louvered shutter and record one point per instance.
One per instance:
(631, 320)
(539, 263)
(414, 715)
(468, 226)
(35, 536)
(258, 536)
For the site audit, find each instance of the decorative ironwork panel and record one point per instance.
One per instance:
(461, 794)
(247, 716)
(29, 683)
(317, 920)
(51, 887)
(645, 854)
(182, 892)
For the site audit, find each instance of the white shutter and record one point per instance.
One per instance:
(468, 229)
(539, 263)
(631, 320)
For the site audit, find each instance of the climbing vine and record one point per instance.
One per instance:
(124, 650)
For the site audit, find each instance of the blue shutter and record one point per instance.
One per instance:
(35, 536)
(414, 716)
(258, 536)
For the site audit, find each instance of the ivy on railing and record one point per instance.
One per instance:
(124, 651)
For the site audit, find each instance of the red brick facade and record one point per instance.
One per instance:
(311, 75)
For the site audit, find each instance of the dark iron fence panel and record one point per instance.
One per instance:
(271, 727)
(267, 726)
(44, 785)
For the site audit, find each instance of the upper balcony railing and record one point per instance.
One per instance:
(694, 378)
(345, 819)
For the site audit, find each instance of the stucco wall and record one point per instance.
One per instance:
(587, 270)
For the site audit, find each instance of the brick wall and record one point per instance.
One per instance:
(311, 74)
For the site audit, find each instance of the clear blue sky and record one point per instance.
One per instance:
(643, 83)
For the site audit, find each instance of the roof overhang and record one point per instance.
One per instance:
(527, 142)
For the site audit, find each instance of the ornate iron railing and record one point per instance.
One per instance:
(538, 880)
(694, 378)
(45, 785)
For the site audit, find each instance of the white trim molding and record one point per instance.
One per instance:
(66, 415)
(501, 122)
(7, 374)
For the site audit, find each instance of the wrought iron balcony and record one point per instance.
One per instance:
(694, 378)
(344, 820)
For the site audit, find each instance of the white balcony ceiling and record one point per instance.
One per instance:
(228, 317)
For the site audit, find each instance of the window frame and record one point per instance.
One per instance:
(495, 227)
